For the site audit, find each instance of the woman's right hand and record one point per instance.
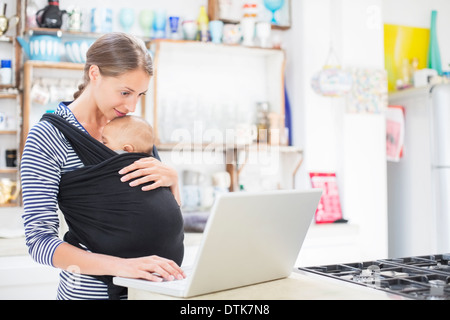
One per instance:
(153, 268)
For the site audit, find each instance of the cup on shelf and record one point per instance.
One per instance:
(146, 21)
(101, 20)
(221, 180)
(11, 158)
(216, 30)
(206, 197)
(39, 93)
(231, 33)
(190, 29)
(75, 19)
(159, 23)
(9, 190)
(2, 121)
(126, 18)
(173, 24)
(248, 31)
(263, 30)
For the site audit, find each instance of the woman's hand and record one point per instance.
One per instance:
(146, 267)
(73, 259)
(150, 169)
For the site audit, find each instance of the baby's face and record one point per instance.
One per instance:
(110, 140)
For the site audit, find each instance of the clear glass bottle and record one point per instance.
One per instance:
(262, 121)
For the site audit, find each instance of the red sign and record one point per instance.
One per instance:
(329, 208)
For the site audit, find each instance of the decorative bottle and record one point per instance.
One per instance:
(434, 56)
(203, 25)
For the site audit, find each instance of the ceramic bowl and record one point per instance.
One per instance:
(45, 48)
(76, 50)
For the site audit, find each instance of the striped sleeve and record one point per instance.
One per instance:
(44, 156)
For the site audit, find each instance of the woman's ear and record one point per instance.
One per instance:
(94, 72)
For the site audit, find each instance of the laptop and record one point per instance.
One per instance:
(249, 238)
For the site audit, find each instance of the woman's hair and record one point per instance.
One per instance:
(115, 54)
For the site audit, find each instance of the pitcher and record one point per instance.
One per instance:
(9, 190)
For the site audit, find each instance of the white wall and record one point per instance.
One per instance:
(351, 145)
(321, 126)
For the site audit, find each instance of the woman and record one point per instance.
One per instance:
(117, 73)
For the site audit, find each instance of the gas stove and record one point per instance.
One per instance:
(418, 277)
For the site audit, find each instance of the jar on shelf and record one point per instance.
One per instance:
(262, 121)
(5, 72)
(32, 9)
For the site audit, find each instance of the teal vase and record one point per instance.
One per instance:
(434, 56)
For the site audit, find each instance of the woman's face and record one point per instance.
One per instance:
(117, 96)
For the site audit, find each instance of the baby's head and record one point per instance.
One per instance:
(129, 133)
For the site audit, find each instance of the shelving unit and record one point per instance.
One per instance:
(215, 73)
(10, 105)
(28, 74)
(259, 75)
(234, 76)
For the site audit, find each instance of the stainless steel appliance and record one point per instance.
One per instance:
(419, 184)
(421, 277)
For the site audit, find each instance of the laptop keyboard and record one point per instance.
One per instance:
(179, 284)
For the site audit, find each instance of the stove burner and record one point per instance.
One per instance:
(421, 277)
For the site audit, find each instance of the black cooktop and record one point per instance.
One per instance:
(419, 277)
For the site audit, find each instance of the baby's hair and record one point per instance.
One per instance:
(136, 128)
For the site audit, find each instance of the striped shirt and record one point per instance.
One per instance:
(47, 154)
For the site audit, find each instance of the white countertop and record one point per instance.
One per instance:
(300, 285)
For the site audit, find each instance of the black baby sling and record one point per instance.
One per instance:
(105, 215)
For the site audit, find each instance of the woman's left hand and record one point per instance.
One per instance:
(150, 169)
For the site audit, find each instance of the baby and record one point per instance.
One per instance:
(128, 134)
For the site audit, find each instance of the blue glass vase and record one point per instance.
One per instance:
(273, 6)
(434, 56)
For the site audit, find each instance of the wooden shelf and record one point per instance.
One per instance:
(9, 170)
(6, 132)
(221, 146)
(8, 95)
(9, 205)
(8, 89)
(60, 33)
(6, 39)
(212, 45)
(54, 65)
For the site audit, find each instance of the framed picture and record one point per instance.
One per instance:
(232, 11)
